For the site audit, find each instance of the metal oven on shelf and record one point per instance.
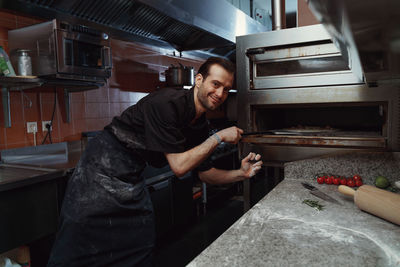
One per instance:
(64, 50)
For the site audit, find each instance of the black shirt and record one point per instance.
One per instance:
(161, 123)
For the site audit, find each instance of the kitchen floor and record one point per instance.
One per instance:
(184, 245)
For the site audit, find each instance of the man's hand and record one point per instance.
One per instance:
(230, 135)
(251, 165)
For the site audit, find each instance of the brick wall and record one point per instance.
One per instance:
(136, 72)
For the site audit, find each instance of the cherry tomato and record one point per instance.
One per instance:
(328, 180)
(359, 183)
(320, 180)
(351, 183)
(357, 177)
(343, 181)
(336, 181)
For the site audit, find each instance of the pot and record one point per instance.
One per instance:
(179, 75)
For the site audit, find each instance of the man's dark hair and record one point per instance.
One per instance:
(226, 64)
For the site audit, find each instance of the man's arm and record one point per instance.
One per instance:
(181, 163)
(247, 169)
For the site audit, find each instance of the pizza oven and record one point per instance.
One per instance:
(300, 96)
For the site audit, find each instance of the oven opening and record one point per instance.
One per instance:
(300, 66)
(367, 119)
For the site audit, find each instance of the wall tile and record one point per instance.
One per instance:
(16, 145)
(4, 44)
(8, 20)
(73, 137)
(66, 129)
(115, 109)
(97, 95)
(47, 111)
(1, 115)
(16, 108)
(97, 124)
(114, 94)
(80, 125)
(47, 97)
(134, 97)
(125, 105)
(30, 139)
(77, 97)
(3, 33)
(31, 107)
(2, 138)
(16, 134)
(124, 96)
(23, 21)
(97, 110)
(46, 115)
(78, 110)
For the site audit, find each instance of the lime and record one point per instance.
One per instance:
(381, 182)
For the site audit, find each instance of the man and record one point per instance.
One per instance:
(107, 215)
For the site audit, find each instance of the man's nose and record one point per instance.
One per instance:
(220, 92)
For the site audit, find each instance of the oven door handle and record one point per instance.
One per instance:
(107, 61)
(254, 51)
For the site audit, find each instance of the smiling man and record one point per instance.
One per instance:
(107, 215)
(212, 92)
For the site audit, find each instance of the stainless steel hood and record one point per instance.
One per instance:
(207, 25)
(369, 27)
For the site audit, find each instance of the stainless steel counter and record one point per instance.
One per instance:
(25, 166)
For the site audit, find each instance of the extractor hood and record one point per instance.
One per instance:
(371, 28)
(210, 26)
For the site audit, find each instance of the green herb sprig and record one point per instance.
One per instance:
(314, 204)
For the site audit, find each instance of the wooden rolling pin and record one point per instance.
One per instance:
(376, 201)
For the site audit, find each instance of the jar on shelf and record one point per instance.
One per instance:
(24, 63)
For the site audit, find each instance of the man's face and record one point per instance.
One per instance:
(213, 90)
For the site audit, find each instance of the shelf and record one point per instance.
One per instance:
(19, 83)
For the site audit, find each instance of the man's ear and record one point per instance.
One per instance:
(198, 79)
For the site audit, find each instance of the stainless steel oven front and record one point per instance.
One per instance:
(306, 99)
(297, 84)
(64, 50)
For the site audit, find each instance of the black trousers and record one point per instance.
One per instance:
(107, 216)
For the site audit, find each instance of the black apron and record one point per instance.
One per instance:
(107, 215)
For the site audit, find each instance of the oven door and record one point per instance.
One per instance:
(299, 57)
(82, 56)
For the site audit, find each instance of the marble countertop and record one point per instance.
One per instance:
(368, 165)
(280, 230)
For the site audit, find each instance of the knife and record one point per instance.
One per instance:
(315, 191)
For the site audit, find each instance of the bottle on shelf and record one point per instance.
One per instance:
(6, 69)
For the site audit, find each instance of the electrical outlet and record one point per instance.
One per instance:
(44, 128)
(31, 127)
